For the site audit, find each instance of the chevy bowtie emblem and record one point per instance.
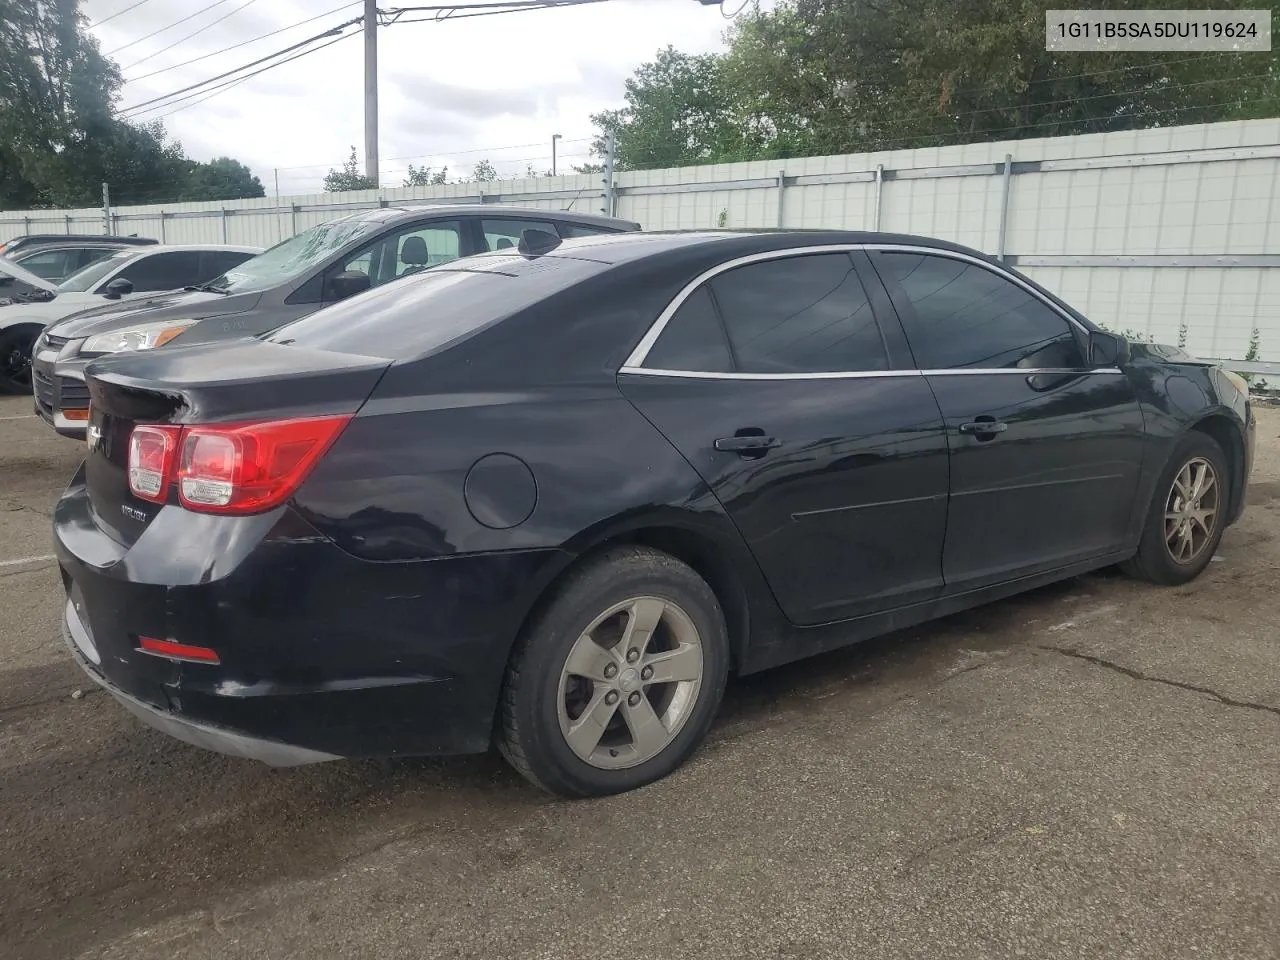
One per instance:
(93, 435)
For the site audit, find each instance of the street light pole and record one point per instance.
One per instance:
(554, 138)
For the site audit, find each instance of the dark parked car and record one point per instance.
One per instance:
(11, 247)
(56, 262)
(316, 267)
(554, 500)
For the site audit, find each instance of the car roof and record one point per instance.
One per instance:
(211, 247)
(623, 247)
(34, 248)
(395, 214)
(47, 238)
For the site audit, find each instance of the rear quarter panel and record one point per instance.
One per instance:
(1176, 396)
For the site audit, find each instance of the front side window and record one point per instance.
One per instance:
(52, 264)
(162, 271)
(403, 252)
(792, 315)
(963, 315)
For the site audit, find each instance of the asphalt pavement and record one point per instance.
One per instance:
(1091, 770)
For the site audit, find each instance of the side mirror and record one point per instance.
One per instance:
(118, 287)
(348, 284)
(1107, 349)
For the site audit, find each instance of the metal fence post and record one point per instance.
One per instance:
(26, 224)
(611, 147)
(293, 219)
(875, 214)
(162, 226)
(106, 211)
(782, 189)
(224, 224)
(66, 224)
(1006, 176)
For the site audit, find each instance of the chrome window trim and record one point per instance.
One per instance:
(867, 374)
(635, 360)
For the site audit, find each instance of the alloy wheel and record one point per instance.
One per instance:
(1191, 510)
(630, 683)
(15, 361)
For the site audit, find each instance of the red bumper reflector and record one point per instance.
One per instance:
(177, 651)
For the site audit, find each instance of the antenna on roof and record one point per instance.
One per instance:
(534, 243)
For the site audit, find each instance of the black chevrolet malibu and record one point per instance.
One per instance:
(552, 497)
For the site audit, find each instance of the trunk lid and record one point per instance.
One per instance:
(245, 380)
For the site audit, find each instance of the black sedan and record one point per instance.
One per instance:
(552, 497)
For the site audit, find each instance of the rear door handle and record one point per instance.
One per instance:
(984, 428)
(747, 444)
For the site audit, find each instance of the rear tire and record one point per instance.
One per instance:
(16, 346)
(617, 681)
(1187, 513)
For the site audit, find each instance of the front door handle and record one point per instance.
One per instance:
(750, 443)
(984, 428)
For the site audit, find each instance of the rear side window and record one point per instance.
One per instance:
(569, 230)
(793, 315)
(214, 263)
(693, 339)
(502, 234)
(965, 316)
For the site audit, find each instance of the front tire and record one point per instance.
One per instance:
(1187, 514)
(16, 345)
(617, 681)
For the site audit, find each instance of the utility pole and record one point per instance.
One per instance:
(554, 138)
(277, 171)
(371, 90)
(106, 210)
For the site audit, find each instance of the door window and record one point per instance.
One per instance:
(502, 234)
(965, 316)
(406, 251)
(163, 271)
(793, 315)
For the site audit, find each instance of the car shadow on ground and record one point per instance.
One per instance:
(110, 814)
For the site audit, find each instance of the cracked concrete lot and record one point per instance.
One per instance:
(1092, 770)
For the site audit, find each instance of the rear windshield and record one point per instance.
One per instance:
(424, 313)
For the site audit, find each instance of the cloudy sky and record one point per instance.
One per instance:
(454, 92)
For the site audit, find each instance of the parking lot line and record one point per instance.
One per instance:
(20, 562)
(25, 416)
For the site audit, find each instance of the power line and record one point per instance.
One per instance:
(245, 43)
(184, 39)
(205, 83)
(207, 95)
(442, 12)
(176, 23)
(119, 13)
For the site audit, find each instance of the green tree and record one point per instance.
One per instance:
(813, 77)
(423, 177)
(349, 177)
(679, 111)
(221, 179)
(484, 172)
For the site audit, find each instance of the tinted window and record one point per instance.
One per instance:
(163, 271)
(426, 313)
(964, 315)
(501, 234)
(799, 315)
(568, 230)
(693, 339)
(214, 263)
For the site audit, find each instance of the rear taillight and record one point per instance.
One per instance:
(152, 456)
(232, 468)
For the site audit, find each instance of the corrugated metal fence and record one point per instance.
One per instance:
(1170, 232)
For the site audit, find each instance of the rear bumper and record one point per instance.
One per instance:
(217, 739)
(323, 654)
